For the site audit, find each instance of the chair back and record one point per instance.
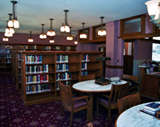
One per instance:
(86, 77)
(117, 92)
(130, 77)
(66, 96)
(128, 101)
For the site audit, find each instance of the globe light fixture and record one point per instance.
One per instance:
(42, 35)
(153, 8)
(65, 27)
(83, 35)
(101, 31)
(30, 39)
(51, 32)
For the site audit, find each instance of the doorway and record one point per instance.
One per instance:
(128, 56)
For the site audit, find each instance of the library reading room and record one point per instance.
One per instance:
(66, 63)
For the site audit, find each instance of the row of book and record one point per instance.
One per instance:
(151, 108)
(62, 67)
(19, 64)
(8, 61)
(19, 56)
(8, 56)
(83, 66)
(86, 58)
(37, 88)
(83, 73)
(63, 76)
(32, 59)
(62, 58)
(37, 78)
(30, 69)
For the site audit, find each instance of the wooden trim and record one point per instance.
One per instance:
(136, 33)
(114, 66)
(97, 40)
(140, 36)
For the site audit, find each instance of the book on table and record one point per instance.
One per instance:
(152, 106)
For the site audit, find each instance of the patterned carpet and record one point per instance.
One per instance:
(15, 114)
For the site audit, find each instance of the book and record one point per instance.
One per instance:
(149, 111)
(152, 106)
(146, 112)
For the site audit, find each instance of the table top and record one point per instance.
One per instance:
(90, 86)
(133, 118)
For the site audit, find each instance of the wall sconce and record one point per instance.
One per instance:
(101, 31)
(153, 7)
(42, 35)
(51, 32)
(13, 22)
(65, 27)
(30, 39)
(83, 35)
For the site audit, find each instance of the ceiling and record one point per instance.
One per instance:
(32, 13)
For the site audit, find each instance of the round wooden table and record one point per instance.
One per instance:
(91, 88)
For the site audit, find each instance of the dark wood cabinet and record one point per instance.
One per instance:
(150, 84)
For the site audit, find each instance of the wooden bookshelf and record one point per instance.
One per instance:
(5, 58)
(41, 71)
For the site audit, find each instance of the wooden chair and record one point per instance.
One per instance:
(134, 87)
(110, 102)
(128, 101)
(86, 77)
(72, 104)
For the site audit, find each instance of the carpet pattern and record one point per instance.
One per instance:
(15, 114)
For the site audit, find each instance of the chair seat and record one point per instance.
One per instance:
(104, 100)
(79, 103)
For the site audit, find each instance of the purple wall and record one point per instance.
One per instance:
(23, 39)
(114, 49)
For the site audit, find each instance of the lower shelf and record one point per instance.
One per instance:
(38, 101)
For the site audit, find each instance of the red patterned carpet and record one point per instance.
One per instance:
(15, 114)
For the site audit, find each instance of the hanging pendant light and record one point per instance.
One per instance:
(76, 42)
(10, 21)
(70, 37)
(65, 27)
(30, 39)
(153, 8)
(83, 35)
(51, 40)
(5, 39)
(14, 20)
(8, 31)
(8, 34)
(51, 32)
(42, 35)
(101, 31)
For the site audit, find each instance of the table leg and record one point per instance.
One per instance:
(90, 107)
